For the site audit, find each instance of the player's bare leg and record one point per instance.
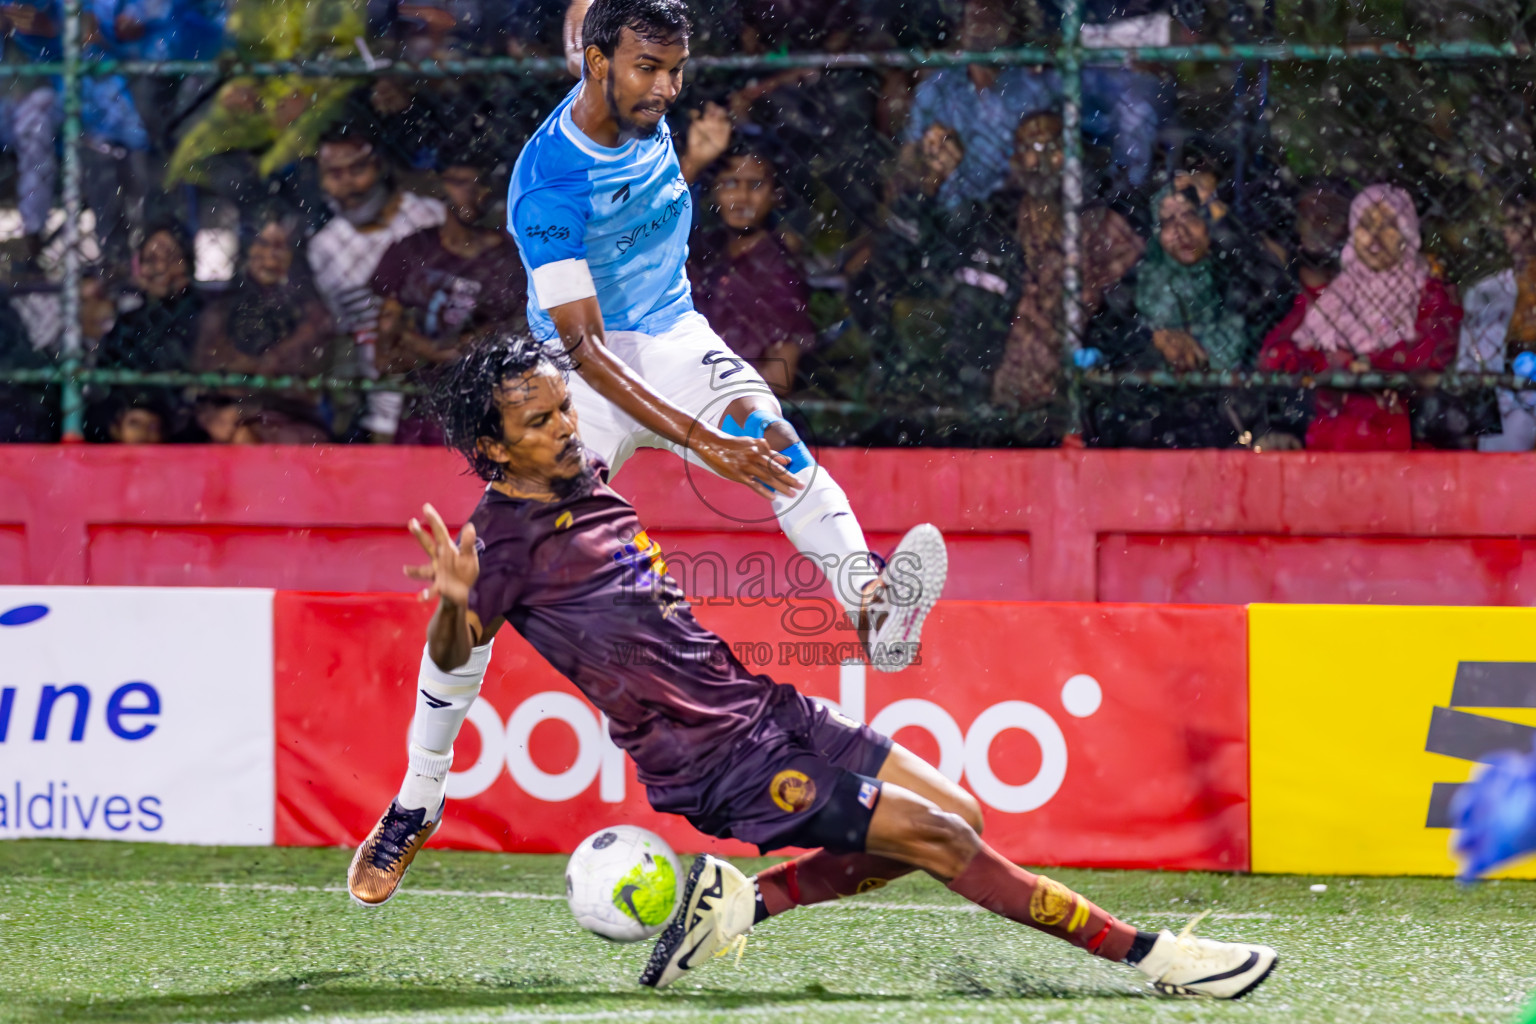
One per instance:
(887, 600)
(821, 875)
(720, 905)
(929, 825)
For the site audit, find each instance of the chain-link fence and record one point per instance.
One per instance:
(1151, 224)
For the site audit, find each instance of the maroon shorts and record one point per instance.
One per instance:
(804, 776)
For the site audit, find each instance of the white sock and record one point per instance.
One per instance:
(443, 700)
(426, 780)
(820, 523)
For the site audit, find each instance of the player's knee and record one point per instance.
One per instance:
(952, 798)
(951, 840)
(969, 809)
(763, 418)
(781, 434)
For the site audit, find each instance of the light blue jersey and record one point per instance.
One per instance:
(621, 215)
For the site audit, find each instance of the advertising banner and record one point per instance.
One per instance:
(1092, 734)
(1367, 719)
(136, 714)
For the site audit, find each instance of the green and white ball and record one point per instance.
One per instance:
(623, 883)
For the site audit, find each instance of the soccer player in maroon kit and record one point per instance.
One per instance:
(558, 554)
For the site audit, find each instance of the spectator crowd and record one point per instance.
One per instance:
(890, 242)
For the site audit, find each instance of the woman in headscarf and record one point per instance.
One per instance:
(1180, 293)
(1385, 311)
(1184, 312)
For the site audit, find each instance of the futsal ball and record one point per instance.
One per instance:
(623, 883)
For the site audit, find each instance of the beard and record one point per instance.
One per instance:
(585, 479)
(627, 127)
(365, 212)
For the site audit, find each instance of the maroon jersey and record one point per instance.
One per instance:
(452, 294)
(753, 301)
(583, 583)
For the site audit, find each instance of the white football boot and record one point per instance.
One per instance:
(909, 585)
(1184, 965)
(714, 917)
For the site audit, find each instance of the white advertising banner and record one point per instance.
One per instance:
(136, 714)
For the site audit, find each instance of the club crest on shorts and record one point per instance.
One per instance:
(869, 795)
(793, 791)
(1051, 902)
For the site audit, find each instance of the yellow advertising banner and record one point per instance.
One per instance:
(1364, 721)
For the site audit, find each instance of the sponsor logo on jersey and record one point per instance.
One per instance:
(668, 214)
(643, 555)
(548, 232)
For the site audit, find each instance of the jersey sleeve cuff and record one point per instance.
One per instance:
(555, 284)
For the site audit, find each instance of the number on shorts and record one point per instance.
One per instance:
(715, 356)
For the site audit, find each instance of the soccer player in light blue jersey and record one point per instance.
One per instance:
(601, 210)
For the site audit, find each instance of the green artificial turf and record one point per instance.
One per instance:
(117, 932)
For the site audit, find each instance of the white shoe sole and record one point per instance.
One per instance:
(904, 626)
(1262, 962)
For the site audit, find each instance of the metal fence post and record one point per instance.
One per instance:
(1070, 64)
(69, 306)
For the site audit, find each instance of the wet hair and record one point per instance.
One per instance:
(462, 397)
(655, 21)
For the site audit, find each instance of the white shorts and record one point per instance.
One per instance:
(688, 365)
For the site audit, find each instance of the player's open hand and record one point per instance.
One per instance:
(709, 134)
(747, 460)
(454, 568)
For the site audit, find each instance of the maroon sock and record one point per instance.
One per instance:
(819, 876)
(994, 884)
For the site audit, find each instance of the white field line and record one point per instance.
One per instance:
(481, 894)
(931, 1009)
(791, 1011)
(500, 894)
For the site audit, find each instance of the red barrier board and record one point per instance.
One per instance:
(1183, 527)
(1094, 735)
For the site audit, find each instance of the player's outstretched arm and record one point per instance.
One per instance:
(454, 630)
(746, 460)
